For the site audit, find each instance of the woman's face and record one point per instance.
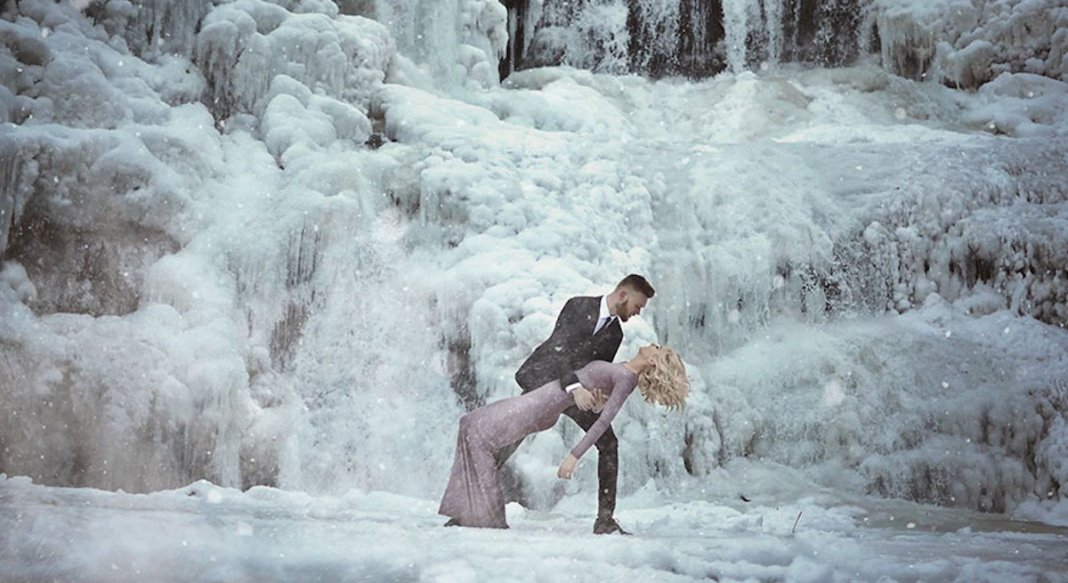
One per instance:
(651, 351)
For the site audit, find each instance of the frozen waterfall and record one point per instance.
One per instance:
(211, 271)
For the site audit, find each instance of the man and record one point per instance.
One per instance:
(588, 329)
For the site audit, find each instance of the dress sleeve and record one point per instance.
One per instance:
(621, 389)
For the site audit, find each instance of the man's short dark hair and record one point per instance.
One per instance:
(637, 283)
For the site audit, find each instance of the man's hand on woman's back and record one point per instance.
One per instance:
(588, 400)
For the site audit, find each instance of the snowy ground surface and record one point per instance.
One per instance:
(209, 534)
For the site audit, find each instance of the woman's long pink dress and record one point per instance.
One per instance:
(473, 496)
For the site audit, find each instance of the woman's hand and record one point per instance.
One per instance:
(589, 400)
(567, 467)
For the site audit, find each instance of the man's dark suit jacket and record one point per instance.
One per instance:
(571, 346)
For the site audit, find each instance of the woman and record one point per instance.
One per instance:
(473, 496)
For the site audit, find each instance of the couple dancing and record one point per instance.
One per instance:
(570, 373)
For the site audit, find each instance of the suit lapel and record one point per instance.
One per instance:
(612, 333)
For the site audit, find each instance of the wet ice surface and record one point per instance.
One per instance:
(206, 533)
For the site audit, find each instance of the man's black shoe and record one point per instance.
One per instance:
(452, 522)
(608, 526)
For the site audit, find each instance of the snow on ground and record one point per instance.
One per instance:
(205, 533)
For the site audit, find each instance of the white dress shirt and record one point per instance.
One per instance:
(604, 318)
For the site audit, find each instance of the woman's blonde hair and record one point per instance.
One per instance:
(664, 381)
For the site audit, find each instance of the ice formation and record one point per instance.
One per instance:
(962, 43)
(211, 271)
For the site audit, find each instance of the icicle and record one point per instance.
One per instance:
(19, 169)
(736, 30)
(436, 33)
(658, 30)
(773, 13)
(11, 202)
(166, 26)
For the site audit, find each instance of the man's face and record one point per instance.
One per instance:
(630, 304)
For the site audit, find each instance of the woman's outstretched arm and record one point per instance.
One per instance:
(620, 391)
